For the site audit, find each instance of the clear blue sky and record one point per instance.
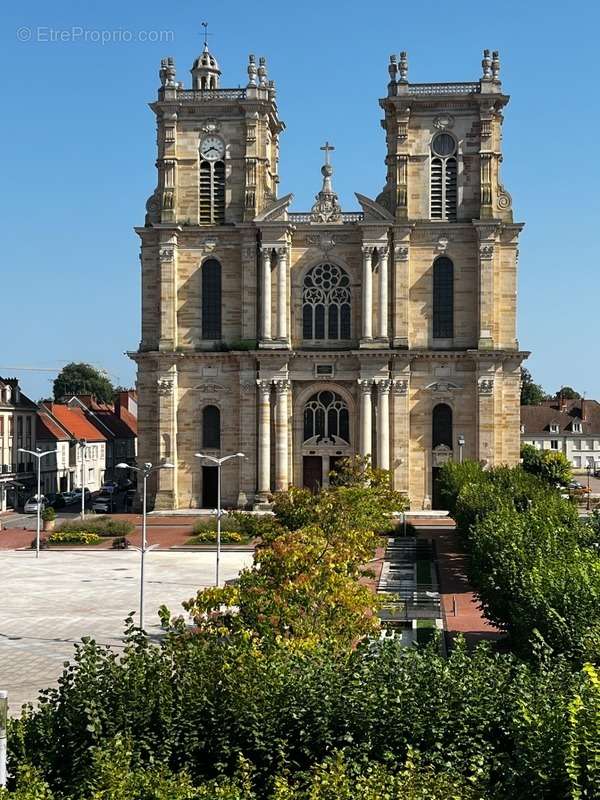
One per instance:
(79, 147)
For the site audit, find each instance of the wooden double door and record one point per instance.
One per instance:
(316, 469)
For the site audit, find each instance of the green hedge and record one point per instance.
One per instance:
(74, 537)
(102, 526)
(210, 537)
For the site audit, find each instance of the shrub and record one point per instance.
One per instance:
(43, 543)
(102, 526)
(49, 514)
(552, 468)
(209, 537)
(74, 537)
(120, 543)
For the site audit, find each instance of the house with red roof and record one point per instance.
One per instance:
(87, 444)
(17, 432)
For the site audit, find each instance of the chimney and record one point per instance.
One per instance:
(583, 410)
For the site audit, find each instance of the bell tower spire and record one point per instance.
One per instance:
(205, 70)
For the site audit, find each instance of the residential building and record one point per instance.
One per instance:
(17, 430)
(118, 422)
(57, 473)
(571, 427)
(87, 445)
(302, 338)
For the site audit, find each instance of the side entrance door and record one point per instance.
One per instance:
(312, 469)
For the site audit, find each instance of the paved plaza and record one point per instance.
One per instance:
(47, 605)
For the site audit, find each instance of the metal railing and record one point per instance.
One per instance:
(443, 88)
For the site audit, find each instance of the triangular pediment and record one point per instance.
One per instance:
(277, 211)
(374, 211)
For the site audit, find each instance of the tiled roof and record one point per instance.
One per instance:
(47, 428)
(118, 427)
(75, 421)
(537, 419)
(24, 404)
(129, 419)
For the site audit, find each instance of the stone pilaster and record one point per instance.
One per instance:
(485, 418)
(247, 427)
(382, 331)
(264, 440)
(383, 423)
(265, 295)
(366, 416)
(249, 285)
(400, 435)
(282, 480)
(166, 479)
(167, 255)
(282, 294)
(486, 234)
(401, 276)
(367, 294)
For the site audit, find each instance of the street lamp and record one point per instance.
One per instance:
(3, 726)
(219, 462)
(39, 455)
(589, 470)
(145, 471)
(461, 444)
(82, 443)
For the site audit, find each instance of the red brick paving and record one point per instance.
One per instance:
(460, 607)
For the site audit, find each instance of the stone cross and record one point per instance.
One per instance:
(327, 147)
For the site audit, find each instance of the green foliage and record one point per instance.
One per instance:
(583, 757)
(209, 536)
(531, 560)
(453, 477)
(49, 514)
(553, 468)
(532, 394)
(81, 378)
(201, 706)
(102, 526)
(568, 393)
(74, 537)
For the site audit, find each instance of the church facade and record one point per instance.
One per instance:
(298, 339)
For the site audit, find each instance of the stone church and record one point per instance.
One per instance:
(300, 338)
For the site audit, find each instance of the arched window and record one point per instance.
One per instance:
(443, 298)
(212, 192)
(211, 299)
(444, 172)
(326, 303)
(326, 417)
(441, 425)
(211, 427)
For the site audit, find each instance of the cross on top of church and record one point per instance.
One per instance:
(327, 148)
(206, 34)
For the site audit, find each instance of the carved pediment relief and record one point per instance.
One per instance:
(373, 210)
(443, 387)
(276, 211)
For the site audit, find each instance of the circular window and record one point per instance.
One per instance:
(443, 145)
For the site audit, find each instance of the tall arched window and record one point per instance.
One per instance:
(441, 426)
(326, 417)
(444, 172)
(443, 298)
(211, 299)
(212, 192)
(211, 427)
(326, 303)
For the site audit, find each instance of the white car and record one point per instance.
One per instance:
(31, 506)
(102, 504)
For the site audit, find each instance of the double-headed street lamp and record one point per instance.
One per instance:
(219, 462)
(39, 455)
(461, 444)
(146, 470)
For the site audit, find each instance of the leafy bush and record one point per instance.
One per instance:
(210, 537)
(74, 537)
(43, 543)
(102, 526)
(552, 467)
(49, 514)
(200, 705)
(120, 543)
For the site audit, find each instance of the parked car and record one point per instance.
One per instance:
(70, 498)
(110, 487)
(31, 505)
(88, 494)
(55, 501)
(577, 488)
(103, 504)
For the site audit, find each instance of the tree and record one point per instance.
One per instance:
(532, 394)
(553, 468)
(82, 378)
(568, 393)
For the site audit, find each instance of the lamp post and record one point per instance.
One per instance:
(461, 444)
(219, 462)
(3, 721)
(145, 471)
(39, 455)
(82, 443)
(589, 470)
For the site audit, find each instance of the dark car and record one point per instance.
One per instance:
(55, 501)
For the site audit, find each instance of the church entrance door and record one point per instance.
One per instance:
(209, 487)
(312, 472)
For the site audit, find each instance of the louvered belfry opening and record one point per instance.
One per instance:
(444, 178)
(212, 193)
(211, 299)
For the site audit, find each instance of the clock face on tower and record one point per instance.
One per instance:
(212, 148)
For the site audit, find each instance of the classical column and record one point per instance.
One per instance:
(382, 333)
(366, 417)
(265, 322)
(282, 294)
(383, 424)
(281, 435)
(264, 439)
(367, 293)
